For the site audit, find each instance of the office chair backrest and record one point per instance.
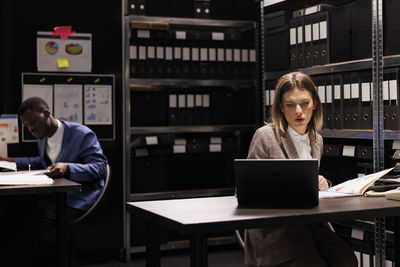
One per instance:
(96, 204)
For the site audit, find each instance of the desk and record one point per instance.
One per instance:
(59, 187)
(198, 216)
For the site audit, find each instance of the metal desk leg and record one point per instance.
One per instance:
(62, 229)
(198, 251)
(397, 241)
(153, 258)
(380, 242)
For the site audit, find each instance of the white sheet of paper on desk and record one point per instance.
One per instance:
(29, 177)
(8, 165)
(327, 194)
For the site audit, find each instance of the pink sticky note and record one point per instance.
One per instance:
(63, 32)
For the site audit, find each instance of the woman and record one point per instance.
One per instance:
(296, 116)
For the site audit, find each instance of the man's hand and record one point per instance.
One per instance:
(57, 170)
(322, 183)
(7, 159)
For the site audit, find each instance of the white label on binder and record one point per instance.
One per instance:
(349, 151)
(321, 93)
(355, 90)
(385, 90)
(143, 34)
(236, 55)
(346, 91)
(315, 31)
(252, 55)
(177, 52)
(220, 55)
(393, 89)
(151, 140)
(206, 100)
(203, 54)
(396, 144)
(311, 10)
(160, 52)
(272, 95)
(300, 34)
(215, 140)
(357, 234)
(168, 53)
(217, 36)
(133, 52)
(245, 55)
(336, 92)
(292, 36)
(195, 54)
(307, 29)
(267, 100)
(186, 53)
(329, 94)
(323, 30)
(215, 147)
(181, 101)
(365, 92)
(372, 92)
(179, 149)
(180, 141)
(212, 54)
(228, 54)
(141, 152)
(172, 101)
(151, 52)
(180, 35)
(142, 53)
(198, 100)
(190, 101)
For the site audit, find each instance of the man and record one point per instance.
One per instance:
(67, 150)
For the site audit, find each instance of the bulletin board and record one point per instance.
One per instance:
(86, 99)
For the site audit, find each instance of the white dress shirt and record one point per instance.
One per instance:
(53, 145)
(301, 143)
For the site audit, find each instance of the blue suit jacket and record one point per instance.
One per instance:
(87, 163)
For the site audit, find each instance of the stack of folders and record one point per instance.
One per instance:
(168, 144)
(191, 54)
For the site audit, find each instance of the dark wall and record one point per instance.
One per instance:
(19, 22)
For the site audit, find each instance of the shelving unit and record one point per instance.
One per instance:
(204, 130)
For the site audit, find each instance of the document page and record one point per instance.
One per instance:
(26, 177)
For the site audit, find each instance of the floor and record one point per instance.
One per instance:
(231, 256)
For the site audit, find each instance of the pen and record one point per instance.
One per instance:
(29, 167)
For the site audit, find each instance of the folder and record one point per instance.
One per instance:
(385, 98)
(293, 43)
(308, 42)
(355, 101)
(277, 56)
(172, 107)
(361, 25)
(151, 60)
(347, 103)
(158, 8)
(186, 58)
(178, 43)
(222, 9)
(391, 29)
(220, 49)
(269, 93)
(366, 100)
(207, 9)
(319, 82)
(133, 58)
(195, 55)
(169, 61)
(133, 7)
(300, 43)
(364, 152)
(329, 102)
(212, 59)
(190, 106)
(340, 34)
(228, 106)
(323, 38)
(198, 9)
(316, 18)
(197, 144)
(143, 40)
(181, 111)
(198, 109)
(393, 115)
(181, 8)
(205, 108)
(141, 7)
(337, 101)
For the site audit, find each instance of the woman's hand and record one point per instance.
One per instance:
(322, 183)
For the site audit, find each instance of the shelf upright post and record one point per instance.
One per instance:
(260, 76)
(377, 77)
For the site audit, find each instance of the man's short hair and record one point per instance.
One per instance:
(33, 103)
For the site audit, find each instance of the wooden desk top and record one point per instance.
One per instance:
(59, 185)
(203, 215)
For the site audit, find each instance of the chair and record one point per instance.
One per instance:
(76, 221)
(239, 238)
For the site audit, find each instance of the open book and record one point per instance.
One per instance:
(353, 187)
(8, 165)
(25, 177)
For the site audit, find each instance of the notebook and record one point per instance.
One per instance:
(276, 183)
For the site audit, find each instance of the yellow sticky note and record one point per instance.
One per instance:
(62, 62)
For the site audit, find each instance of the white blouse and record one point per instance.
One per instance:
(301, 143)
(53, 146)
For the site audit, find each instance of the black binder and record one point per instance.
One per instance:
(393, 100)
(361, 29)
(181, 8)
(340, 34)
(347, 103)
(366, 100)
(276, 54)
(141, 7)
(329, 115)
(355, 101)
(308, 41)
(391, 29)
(158, 8)
(293, 43)
(172, 107)
(300, 43)
(385, 97)
(133, 7)
(337, 101)
(321, 50)
(319, 82)
(316, 18)
(222, 9)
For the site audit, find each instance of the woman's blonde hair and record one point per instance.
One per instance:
(286, 83)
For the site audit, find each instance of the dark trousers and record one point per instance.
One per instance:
(27, 230)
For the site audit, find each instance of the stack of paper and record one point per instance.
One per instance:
(8, 165)
(21, 178)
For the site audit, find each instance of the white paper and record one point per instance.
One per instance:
(20, 178)
(50, 48)
(44, 91)
(349, 151)
(365, 92)
(8, 165)
(68, 102)
(98, 104)
(151, 140)
(215, 147)
(9, 129)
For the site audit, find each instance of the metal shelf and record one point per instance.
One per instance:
(150, 22)
(358, 134)
(227, 191)
(191, 82)
(191, 129)
(356, 65)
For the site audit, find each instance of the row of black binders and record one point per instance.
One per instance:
(196, 54)
(192, 106)
(216, 9)
(347, 99)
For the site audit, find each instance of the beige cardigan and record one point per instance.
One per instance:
(276, 244)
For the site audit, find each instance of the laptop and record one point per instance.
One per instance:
(277, 183)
